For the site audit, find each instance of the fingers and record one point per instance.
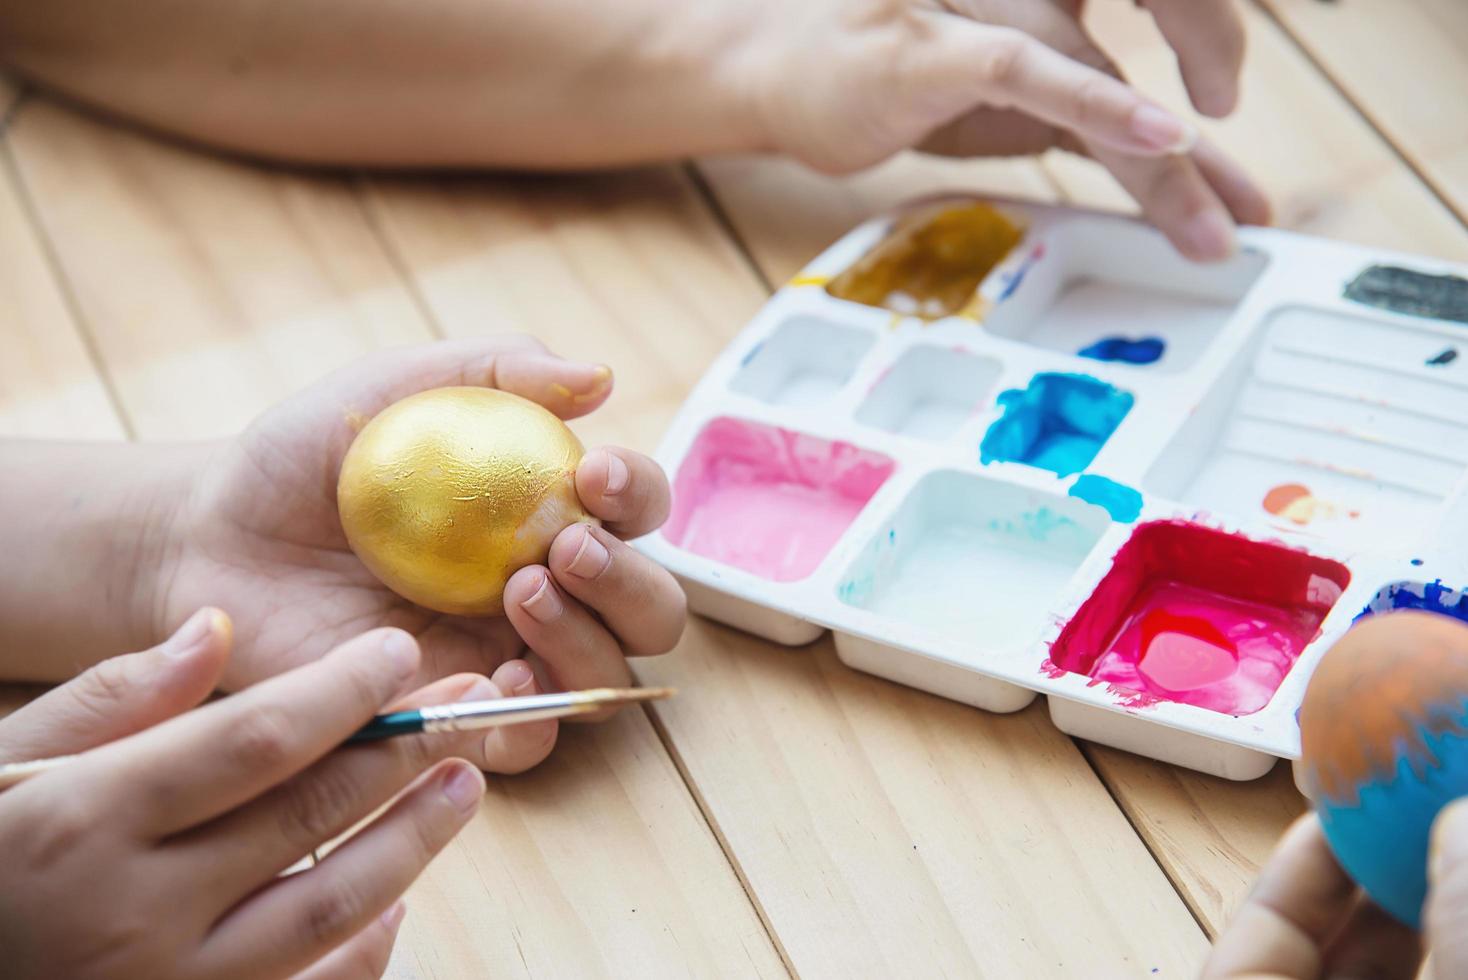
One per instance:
(1301, 898)
(297, 920)
(636, 598)
(627, 491)
(245, 848)
(209, 761)
(1208, 36)
(578, 650)
(510, 749)
(520, 365)
(1008, 69)
(122, 695)
(335, 409)
(1244, 199)
(1175, 197)
(1373, 944)
(365, 955)
(1446, 911)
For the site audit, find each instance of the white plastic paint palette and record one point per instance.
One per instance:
(1163, 548)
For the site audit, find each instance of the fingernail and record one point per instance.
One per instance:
(545, 604)
(1208, 236)
(483, 689)
(402, 653)
(591, 559)
(518, 677)
(1159, 128)
(1451, 823)
(195, 630)
(617, 475)
(393, 917)
(463, 787)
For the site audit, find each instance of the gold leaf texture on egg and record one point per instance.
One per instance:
(447, 493)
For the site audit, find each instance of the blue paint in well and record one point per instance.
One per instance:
(1417, 561)
(1058, 423)
(1120, 501)
(1407, 801)
(1148, 350)
(1431, 597)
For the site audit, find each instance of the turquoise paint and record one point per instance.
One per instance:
(1122, 502)
(1407, 802)
(1058, 423)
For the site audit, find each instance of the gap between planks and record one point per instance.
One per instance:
(1369, 118)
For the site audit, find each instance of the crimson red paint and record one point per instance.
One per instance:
(1199, 616)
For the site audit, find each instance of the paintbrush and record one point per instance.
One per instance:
(463, 716)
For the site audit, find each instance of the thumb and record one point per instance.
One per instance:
(122, 695)
(1446, 915)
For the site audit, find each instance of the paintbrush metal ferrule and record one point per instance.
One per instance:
(468, 716)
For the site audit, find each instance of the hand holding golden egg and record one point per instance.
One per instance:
(446, 494)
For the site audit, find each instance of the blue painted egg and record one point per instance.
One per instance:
(1384, 747)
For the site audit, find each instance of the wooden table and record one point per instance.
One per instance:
(784, 814)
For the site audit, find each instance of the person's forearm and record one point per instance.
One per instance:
(84, 528)
(544, 84)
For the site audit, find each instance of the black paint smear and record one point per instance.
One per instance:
(1390, 287)
(1446, 357)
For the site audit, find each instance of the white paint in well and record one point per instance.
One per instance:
(975, 559)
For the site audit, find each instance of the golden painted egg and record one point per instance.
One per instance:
(447, 493)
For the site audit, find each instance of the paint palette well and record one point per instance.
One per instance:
(1124, 295)
(1002, 450)
(967, 557)
(1191, 615)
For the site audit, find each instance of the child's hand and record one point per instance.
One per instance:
(843, 84)
(1306, 919)
(157, 855)
(257, 532)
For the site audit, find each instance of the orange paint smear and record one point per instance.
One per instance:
(1389, 683)
(1295, 503)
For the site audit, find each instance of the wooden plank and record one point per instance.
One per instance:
(211, 289)
(49, 386)
(820, 781)
(1402, 65)
(1325, 169)
(623, 268)
(1210, 834)
(214, 287)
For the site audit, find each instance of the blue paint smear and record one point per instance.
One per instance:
(1381, 840)
(1417, 561)
(1431, 597)
(1058, 423)
(744, 361)
(1122, 502)
(1148, 350)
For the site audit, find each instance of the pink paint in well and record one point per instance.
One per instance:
(1198, 616)
(767, 500)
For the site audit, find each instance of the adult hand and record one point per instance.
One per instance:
(158, 854)
(844, 84)
(257, 531)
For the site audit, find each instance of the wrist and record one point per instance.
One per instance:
(151, 535)
(703, 73)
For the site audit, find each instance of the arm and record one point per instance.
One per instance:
(554, 83)
(84, 531)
